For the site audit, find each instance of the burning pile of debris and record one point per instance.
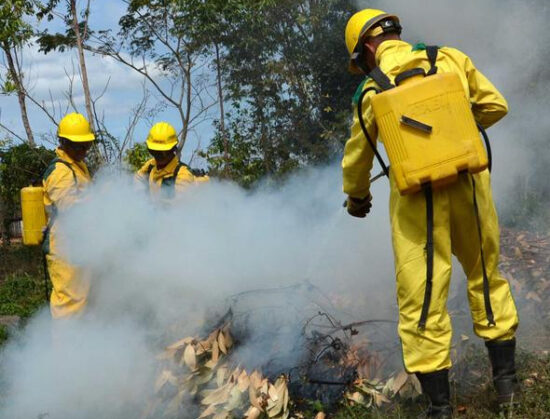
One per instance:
(197, 370)
(525, 261)
(269, 362)
(273, 351)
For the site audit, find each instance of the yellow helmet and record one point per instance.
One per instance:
(358, 28)
(75, 127)
(162, 137)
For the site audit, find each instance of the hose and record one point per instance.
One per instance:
(487, 145)
(364, 128)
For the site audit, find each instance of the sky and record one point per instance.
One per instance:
(47, 80)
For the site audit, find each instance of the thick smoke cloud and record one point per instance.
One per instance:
(160, 271)
(218, 240)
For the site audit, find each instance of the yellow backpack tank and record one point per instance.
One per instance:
(427, 128)
(33, 214)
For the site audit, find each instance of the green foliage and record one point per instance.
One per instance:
(21, 283)
(60, 41)
(289, 89)
(136, 156)
(159, 29)
(57, 42)
(283, 66)
(246, 164)
(14, 31)
(8, 87)
(3, 335)
(20, 165)
(21, 295)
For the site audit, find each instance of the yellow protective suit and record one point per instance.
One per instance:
(455, 223)
(62, 187)
(161, 183)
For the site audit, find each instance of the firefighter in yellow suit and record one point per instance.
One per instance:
(164, 175)
(373, 39)
(63, 181)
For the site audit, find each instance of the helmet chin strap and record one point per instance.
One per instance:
(358, 57)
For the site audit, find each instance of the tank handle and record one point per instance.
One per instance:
(408, 74)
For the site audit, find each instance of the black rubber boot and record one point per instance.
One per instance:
(502, 357)
(436, 386)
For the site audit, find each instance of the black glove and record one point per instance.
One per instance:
(198, 172)
(359, 207)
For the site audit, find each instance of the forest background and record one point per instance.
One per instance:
(256, 89)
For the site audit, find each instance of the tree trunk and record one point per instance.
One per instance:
(222, 112)
(15, 76)
(186, 116)
(83, 71)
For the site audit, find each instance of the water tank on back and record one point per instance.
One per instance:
(428, 131)
(33, 214)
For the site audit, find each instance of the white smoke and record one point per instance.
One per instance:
(216, 240)
(159, 270)
(84, 369)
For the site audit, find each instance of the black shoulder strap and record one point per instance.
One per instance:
(177, 171)
(171, 181)
(66, 163)
(53, 214)
(381, 79)
(431, 52)
(149, 170)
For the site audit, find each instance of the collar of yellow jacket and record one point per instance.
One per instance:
(167, 170)
(64, 156)
(390, 47)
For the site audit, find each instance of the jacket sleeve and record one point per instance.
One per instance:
(61, 187)
(488, 104)
(358, 154)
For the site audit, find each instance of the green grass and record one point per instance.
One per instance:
(21, 295)
(21, 283)
(472, 393)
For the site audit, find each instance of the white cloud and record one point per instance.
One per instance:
(51, 73)
(48, 79)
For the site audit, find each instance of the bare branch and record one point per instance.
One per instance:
(16, 76)
(137, 114)
(103, 91)
(42, 107)
(69, 93)
(143, 71)
(18, 137)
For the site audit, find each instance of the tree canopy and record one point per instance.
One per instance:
(270, 74)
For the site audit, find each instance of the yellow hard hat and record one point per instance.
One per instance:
(75, 127)
(162, 137)
(358, 27)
